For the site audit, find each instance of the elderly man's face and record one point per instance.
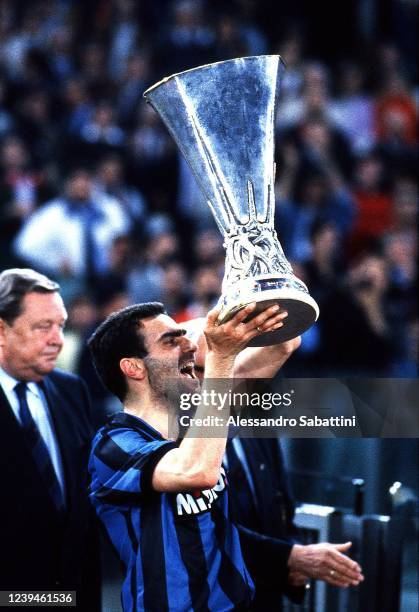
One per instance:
(29, 347)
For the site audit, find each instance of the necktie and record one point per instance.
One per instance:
(38, 448)
(89, 246)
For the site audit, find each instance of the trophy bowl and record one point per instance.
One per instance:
(222, 118)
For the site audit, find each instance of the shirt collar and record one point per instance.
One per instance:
(9, 383)
(129, 420)
(84, 210)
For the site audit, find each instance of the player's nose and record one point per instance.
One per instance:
(188, 346)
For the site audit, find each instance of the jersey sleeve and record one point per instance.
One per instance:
(121, 465)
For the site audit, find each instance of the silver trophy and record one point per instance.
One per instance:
(222, 118)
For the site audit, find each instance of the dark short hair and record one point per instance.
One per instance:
(117, 337)
(15, 284)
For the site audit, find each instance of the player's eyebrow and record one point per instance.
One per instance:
(172, 334)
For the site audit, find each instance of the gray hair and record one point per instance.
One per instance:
(15, 284)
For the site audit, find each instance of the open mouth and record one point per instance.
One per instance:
(187, 370)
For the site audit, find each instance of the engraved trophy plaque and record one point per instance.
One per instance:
(222, 118)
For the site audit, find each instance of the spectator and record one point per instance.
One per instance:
(77, 233)
(373, 204)
(78, 108)
(322, 148)
(134, 82)
(395, 100)
(175, 288)
(357, 337)
(36, 126)
(400, 252)
(110, 182)
(101, 134)
(60, 59)
(313, 97)
(17, 177)
(20, 40)
(405, 206)
(150, 149)
(396, 127)
(321, 202)
(93, 70)
(291, 50)
(146, 279)
(353, 110)
(81, 317)
(230, 38)
(189, 35)
(191, 202)
(253, 36)
(21, 186)
(321, 270)
(120, 259)
(125, 35)
(208, 249)
(206, 289)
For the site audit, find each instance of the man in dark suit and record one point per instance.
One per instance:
(263, 508)
(47, 537)
(261, 502)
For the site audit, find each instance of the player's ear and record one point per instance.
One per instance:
(133, 367)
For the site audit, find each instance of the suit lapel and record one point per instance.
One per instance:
(19, 463)
(10, 427)
(259, 470)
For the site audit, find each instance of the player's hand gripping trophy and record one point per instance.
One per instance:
(222, 118)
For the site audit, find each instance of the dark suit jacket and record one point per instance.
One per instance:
(264, 520)
(38, 548)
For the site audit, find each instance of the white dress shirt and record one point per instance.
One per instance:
(53, 237)
(38, 407)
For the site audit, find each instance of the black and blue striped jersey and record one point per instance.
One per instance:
(180, 550)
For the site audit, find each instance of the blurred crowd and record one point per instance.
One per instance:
(94, 193)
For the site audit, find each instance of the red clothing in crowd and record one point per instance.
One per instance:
(403, 105)
(374, 218)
